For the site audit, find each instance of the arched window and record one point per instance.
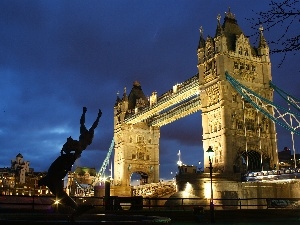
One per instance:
(140, 139)
(240, 51)
(236, 65)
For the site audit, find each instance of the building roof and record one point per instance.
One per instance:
(231, 30)
(19, 155)
(135, 94)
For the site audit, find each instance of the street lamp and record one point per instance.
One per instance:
(210, 153)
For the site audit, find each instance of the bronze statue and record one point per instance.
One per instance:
(70, 151)
(86, 136)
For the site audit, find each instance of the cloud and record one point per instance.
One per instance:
(58, 56)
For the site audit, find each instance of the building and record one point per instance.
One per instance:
(21, 167)
(242, 138)
(288, 160)
(80, 182)
(20, 179)
(187, 169)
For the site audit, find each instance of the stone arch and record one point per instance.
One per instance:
(143, 176)
(239, 165)
(253, 160)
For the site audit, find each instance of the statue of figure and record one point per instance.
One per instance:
(71, 145)
(86, 136)
(70, 151)
(54, 178)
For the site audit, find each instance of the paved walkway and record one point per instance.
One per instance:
(222, 217)
(248, 217)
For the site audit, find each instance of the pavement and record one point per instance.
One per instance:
(180, 217)
(246, 217)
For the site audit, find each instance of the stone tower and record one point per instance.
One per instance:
(241, 137)
(136, 145)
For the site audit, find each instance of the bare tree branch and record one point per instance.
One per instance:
(284, 18)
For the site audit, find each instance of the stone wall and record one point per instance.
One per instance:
(230, 191)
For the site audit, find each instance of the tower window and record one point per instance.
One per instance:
(250, 124)
(239, 125)
(141, 155)
(240, 51)
(234, 97)
(236, 65)
(241, 66)
(140, 139)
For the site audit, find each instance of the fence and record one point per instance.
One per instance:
(50, 204)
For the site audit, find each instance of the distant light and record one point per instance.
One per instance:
(179, 163)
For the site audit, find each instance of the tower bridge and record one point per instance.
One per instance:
(230, 88)
(177, 103)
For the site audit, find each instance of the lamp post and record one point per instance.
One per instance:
(210, 153)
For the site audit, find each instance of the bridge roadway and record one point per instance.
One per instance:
(154, 190)
(174, 104)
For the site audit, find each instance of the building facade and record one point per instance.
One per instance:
(136, 145)
(242, 138)
(20, 179)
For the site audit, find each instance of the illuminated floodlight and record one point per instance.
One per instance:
(179, 162)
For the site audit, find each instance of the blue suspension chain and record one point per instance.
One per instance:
(241, 89)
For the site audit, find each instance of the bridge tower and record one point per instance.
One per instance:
(136, 145)
(241, 137)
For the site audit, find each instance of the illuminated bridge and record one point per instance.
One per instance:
(176, 103)
(233, 92)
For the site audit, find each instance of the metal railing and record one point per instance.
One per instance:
(49, 203)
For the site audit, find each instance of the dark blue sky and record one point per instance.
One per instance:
(58, 56)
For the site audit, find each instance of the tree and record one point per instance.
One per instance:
(282, 19)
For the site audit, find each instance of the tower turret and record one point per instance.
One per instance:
(201, 47)
(263, 48)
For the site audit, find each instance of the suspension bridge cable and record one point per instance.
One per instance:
(286, 96)
(99, 175)
(263, 105)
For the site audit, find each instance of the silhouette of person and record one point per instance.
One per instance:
(70, 151)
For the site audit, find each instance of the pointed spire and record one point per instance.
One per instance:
(262, 41)
(118, 99)
(229, 18)
(219, 29)
(124, 95)
(229, 14)
(201, 41)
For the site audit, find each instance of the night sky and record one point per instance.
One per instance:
(58, 56)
